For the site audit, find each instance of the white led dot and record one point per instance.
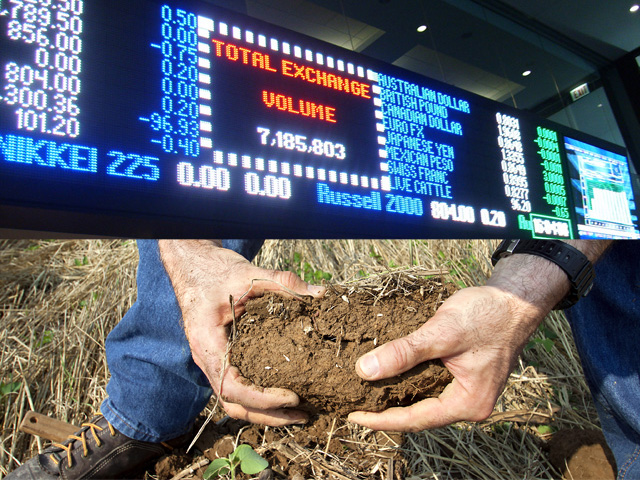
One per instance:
(354, 180)
(308, 55)
(204, 63)
(309, 172)
(382, 153)
(297, 170)
(364, 181)
(273, 166)
(341, 65)
(385, 184)
(286, 48)
(232, 159)
(360, 72)
(205, 110)
(260, 164)
(379, 127)
(218, 157)
(322, 174)
(377, 102)
(206, 143)
(249, 37)
(378, 115)
(262, 40)
(204, 33)
(376, 89)
(297, 51)
(274, 44)
(344, 178)
(223, 28)
(246, 161)
(285, 168)
(331, 62)
(382, 141)
(333, 176)
(371, 75)
(205, 23)
(384, 167)
(204, 78)
(204, 48)
(205, 94)
(350, 68)
(319, 59)
(206, 126)
(236, 33)
(374, 184)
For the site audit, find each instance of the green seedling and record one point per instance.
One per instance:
(305, 271)
(80, 263)
(7, 388)
(47, 337)
(244, 456)
(547, 340)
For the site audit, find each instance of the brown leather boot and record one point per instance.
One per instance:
(96, 451)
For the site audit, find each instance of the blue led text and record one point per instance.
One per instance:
(48, 154)
(410, 113)
(368, 202)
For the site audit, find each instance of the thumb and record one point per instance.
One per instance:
(400, 355)
(290, 281)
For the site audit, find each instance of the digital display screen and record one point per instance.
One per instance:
(156, 114)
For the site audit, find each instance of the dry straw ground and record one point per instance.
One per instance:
(59, 299)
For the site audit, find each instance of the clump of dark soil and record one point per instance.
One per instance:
(581, 455)
(310, 346)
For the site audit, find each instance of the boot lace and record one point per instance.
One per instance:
(68, 445)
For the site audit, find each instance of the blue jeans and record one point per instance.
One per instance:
(156, 391)
(606, 328)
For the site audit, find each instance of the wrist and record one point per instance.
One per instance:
(533, 280)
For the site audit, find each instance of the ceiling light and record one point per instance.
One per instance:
(634, 8)
(422, 28)
(526, 73)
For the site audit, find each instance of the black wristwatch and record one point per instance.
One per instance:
(577, 267)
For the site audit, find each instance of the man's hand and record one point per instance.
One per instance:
(478, 334)
(204, 275)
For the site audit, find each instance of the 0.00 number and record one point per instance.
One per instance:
(208, 177)
(270, 186)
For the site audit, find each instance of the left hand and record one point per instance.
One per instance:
(203, 276)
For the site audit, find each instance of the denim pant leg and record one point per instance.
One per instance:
(156, 391)
(606, 327)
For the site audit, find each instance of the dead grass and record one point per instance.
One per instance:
(59, 299)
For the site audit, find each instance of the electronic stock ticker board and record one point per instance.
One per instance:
(180, 118)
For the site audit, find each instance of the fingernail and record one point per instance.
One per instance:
(369, 365)
(302, 421)
(315, 290)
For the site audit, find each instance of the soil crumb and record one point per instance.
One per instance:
(581, 455)
(311, 346)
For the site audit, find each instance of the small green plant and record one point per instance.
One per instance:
(305, 271)
(84, 261)
(244, 456)
(547, 339)
(546, 429)
(7, 388)
(47, 337)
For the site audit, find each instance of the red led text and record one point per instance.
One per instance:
(329, 80)
(299, 107)
(245, 55)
